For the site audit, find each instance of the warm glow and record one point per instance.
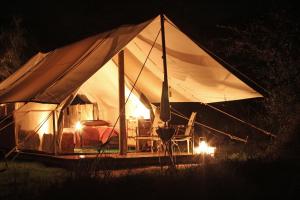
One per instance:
(78, 126)
(136, 108)
(45, 126)
(141, 112)
(204, 148)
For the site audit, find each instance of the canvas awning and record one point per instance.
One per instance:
(194, 76)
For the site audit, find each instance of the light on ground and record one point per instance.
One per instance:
(204, 148)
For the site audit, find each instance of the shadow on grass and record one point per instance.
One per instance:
(233, 179)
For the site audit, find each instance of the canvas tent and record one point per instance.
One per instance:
(90, 67)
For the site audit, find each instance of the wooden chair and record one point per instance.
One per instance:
(188, 134)
(152, 135)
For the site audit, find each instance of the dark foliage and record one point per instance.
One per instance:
(13, 46)
(267, 49)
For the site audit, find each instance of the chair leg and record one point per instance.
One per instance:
(152, 146)
(174, 144)
(192, 144)
(188, 146)
(178, 148)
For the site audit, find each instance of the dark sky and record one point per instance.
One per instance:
(54, 23)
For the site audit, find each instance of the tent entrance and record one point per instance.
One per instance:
(92, 117)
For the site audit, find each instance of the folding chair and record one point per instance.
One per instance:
(188, 133)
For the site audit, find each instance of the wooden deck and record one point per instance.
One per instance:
(109, 160)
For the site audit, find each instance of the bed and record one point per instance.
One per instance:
(93, 133)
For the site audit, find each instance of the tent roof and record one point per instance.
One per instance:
(194, 76)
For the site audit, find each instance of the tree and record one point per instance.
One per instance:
(267, 49)
(13, 45)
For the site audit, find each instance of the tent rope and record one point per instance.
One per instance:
(232, 137)
(37, 128)
(229, 115)
(229, 65)
(223, 112)
(133, 86)
(240, 120)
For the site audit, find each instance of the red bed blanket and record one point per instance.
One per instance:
(92, 135)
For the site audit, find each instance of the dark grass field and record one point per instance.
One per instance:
(234, 179)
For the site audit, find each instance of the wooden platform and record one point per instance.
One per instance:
(109, 160)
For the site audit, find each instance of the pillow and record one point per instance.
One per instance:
(95, 123)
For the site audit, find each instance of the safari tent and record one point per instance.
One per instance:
(39, 97)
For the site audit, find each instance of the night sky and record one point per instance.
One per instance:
(51, 24)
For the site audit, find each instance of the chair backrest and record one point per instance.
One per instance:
(156, 121)
(190, 124)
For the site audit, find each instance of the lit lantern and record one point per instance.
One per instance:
(204, 148)
(78, 126)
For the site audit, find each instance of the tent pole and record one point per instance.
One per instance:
(163, 41)
(123, 133)
(54, 133)
(165, 113)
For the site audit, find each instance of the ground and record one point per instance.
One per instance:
(230, 178)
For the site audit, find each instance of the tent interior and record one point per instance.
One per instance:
(89, 118)
(80, 82)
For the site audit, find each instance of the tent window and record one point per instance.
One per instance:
(6, 109)
(3, 110)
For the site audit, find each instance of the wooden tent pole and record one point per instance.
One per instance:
(123, 133)
(165, 113)
(163, 43)
(54, 133)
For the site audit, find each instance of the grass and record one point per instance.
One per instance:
(233, 179)
(28, 180)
